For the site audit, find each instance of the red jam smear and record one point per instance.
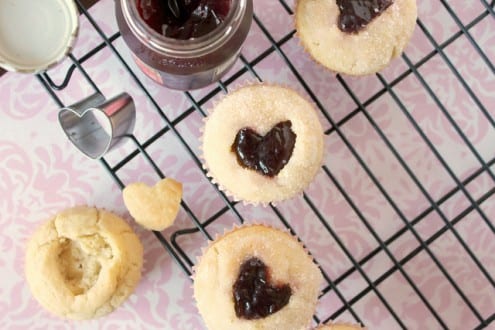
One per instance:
(189, 19)
(356, 14)
(265, 154)
(254, 296)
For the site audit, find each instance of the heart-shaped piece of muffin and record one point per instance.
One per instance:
(156, 207)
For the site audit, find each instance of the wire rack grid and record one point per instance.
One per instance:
(365, 106)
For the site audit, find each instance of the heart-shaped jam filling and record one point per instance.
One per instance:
(265, 154)
(254, 296)
(356, 14)
(181, 19)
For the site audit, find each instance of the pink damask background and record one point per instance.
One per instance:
(41, 174)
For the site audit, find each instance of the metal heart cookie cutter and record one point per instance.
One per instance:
(95, 126)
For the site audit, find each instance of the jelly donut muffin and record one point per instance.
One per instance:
(256, 277)
(83, 263)
(355, 37)
(262, 143)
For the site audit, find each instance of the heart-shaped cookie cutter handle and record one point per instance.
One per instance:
(95, 126)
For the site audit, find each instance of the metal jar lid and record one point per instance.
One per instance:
(35, 35)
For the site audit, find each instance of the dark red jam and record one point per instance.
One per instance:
(356, 14)
(265, 154)
(183, 19)
(254, 296)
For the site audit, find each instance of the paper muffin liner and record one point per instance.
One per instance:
(339, 326)
(228, 192)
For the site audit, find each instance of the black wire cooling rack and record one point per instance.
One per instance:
(185, 261)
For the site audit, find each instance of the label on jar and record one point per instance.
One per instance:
(149, 71)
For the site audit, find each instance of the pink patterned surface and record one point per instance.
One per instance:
(41, 173)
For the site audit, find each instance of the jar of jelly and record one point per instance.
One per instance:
(184, 44)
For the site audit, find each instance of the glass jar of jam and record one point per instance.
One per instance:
(184, 44)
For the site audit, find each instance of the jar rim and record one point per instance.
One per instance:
(183, 48)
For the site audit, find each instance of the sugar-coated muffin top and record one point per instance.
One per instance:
(261, 108)
(365, 51)
(273, 253)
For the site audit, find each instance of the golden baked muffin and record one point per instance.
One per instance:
(256, 277)
(263, 143)
(156, 207)
(355, 37)
(83, 263)
(339, 326)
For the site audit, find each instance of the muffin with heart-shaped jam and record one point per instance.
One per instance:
(263, 143)
(355, 37)
(256, 277)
